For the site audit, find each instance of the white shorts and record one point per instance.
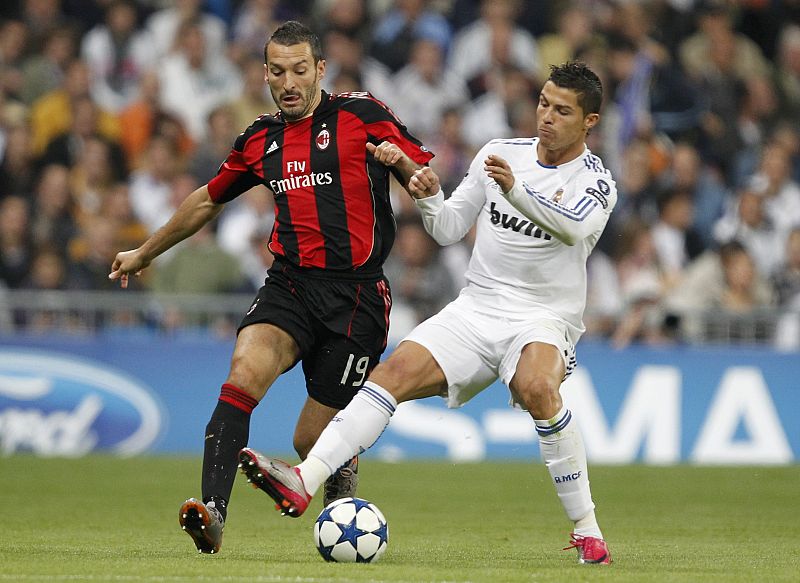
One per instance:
(475, 348)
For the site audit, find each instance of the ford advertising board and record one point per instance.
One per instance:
(61, 405)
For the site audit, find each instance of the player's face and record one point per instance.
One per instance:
(560, 121)
(293, 79)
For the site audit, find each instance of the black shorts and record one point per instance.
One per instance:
(340, 326)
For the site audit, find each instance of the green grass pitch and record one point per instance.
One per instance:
(108, 519)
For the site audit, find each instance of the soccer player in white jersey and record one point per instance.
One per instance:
(540, 205)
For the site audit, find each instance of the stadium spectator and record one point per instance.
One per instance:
(419, 284)
(786, 281)
(639, 187)
(44, 20)
(16, 249)
(164, 27)
(746, 222)
(144, 118)
(151, 185)
(512, 322)
(424, 89)
(643, 282)
(222, 130)
(405, 22)
(255, 100)
(44, 72)
(89, 254)
(194, 80)
(346, 59)
(453, 154)
(248, 218)
(253, 21)
(493, 113)
(51, 114)
(221, 272)
(717, 37)
(676, 243)
(116, 209)
(17, 162)
(573, 31)
(494, 41)
(117, 55)
(48, 272)
(688, 173)
(53, 223)
(788, 70)
(13, 41)
(743, 292)
(92, 178)
(604, 303)
(722, 279)
(67, 148)
(349, 17)
(782, 193)
(326, 301)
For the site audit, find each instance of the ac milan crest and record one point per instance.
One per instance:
(323, 139)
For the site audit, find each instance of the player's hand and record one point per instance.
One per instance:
(386, 153)
(127, 262)
(424, 183)
(499, 171)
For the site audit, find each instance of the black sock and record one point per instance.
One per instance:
(226, 433)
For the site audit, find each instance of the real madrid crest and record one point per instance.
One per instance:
(557, 196)
(323, 138)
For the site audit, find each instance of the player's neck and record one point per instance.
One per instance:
(559, 157)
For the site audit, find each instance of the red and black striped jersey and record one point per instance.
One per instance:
(332, 208)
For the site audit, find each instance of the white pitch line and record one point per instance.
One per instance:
(179, 578)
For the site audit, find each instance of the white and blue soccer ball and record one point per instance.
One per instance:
(351, 530)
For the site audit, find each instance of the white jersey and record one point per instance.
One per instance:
(531, 243)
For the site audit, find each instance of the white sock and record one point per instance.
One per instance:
(561, 447)
(352, 431)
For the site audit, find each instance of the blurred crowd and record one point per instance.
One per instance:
(112, 111)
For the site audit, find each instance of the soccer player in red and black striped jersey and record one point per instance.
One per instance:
(325, 303)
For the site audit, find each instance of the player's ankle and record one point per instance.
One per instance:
(313, 472)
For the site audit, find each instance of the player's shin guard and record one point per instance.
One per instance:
(226, 433)
(353, 430)
(562, 450)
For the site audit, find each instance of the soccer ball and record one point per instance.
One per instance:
(351, 530)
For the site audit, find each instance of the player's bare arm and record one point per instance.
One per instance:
(194, 212)
(499, 171)
(424, 183)
(390, 154)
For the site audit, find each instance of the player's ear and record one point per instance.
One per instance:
(590, 121)
(321, 68)
(266, 73)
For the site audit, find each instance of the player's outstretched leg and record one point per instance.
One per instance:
(342, 484)
(591, 550)
(278, 479)
(204, 523)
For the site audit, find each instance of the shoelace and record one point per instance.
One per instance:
(577, 542)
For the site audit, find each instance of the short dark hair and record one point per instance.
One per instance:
(581, 79)
(295, 33)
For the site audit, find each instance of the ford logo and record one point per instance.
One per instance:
(66, 406)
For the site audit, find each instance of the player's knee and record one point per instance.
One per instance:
(538, 392)
(248, 378)
(408, 375)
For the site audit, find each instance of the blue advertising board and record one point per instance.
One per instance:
(144, 394)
